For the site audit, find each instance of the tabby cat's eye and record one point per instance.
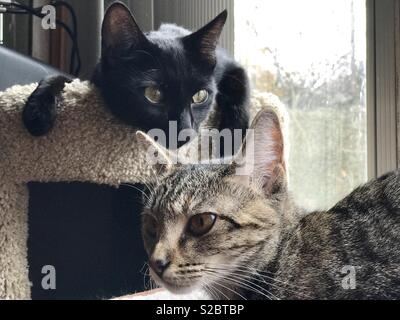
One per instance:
(200, 97)
(153, 94)
(202, 223)
(150, 226)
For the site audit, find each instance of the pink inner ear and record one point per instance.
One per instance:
(277, 137)
(273, 180)
(269, 164)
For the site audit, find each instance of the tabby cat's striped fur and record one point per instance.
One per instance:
(261, 245)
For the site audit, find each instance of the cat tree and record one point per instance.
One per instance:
(87, 144)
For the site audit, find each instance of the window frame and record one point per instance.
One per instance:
(382, 86)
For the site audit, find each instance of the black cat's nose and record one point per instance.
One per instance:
(159, 266)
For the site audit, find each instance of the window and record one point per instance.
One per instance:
(312, 55)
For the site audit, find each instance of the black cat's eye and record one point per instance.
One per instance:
(200, 97)
(202, 223)
(150, 226)
(153, 94)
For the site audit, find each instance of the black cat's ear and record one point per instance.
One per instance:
(203, 42)
(120, 30)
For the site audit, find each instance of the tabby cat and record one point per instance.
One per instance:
(148, 80)
(242, 237)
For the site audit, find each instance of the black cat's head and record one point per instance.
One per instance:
(165, 75)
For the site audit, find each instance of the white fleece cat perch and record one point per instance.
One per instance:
(87, 144)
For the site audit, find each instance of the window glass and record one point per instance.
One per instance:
(312, 55)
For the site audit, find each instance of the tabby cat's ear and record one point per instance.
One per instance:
(262, 154)
(203, 43)
(155, 154)
(120, 30)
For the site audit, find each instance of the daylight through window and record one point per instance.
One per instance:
(312, 55)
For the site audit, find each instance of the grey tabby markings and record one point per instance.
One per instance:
(262, 246)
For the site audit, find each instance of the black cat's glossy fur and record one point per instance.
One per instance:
(173, 59)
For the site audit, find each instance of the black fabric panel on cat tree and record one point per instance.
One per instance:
(91, 235)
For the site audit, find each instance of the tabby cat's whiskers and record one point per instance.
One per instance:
(216, 282)
(244, 284)
(254, 271)
(137, 189)
(252, 274)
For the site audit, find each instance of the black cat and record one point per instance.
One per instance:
(150, 79)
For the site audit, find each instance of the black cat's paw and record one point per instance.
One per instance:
(39, 112)
(233, 88)
(233, 99)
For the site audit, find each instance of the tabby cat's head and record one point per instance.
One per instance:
(149, 79)
(203, 222)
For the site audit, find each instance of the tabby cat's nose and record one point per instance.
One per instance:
(159, 266)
